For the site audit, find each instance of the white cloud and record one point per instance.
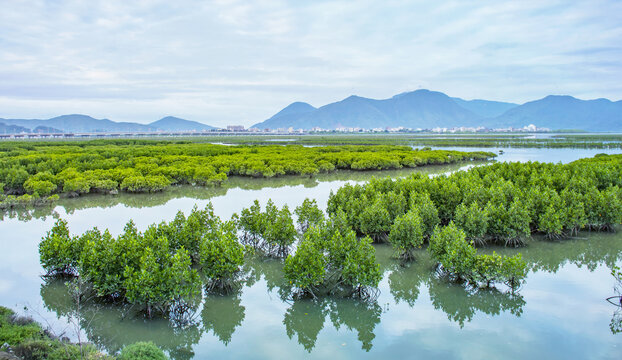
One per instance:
(231, 61)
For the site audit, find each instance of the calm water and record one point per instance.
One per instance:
(542, 155)
(560, 312)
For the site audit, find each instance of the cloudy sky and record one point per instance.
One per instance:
(239, 62)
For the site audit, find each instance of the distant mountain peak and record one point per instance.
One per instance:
(296, 107)
(170, 117)
(559, 97)
(354, 98)
(417, 92)
(73, 116)
(173, 123)
(420, 108)
(80, 123)
(427, 109)
(300, 104)
(566, 112)
(283, 118)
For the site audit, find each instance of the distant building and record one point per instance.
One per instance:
(530, 127)
(235, 127)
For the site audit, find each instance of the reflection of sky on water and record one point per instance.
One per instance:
(535, 154)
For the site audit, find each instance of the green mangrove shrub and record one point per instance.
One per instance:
(221, 258)
(459, 259)
(502, 203)
(407, 234)
(271, 232)
(157, 270)
(330, 259)
(77, 167)
(59, 252)
(308, 214)
(161, 283)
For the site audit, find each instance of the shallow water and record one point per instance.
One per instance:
(560, 312)
(534, 154)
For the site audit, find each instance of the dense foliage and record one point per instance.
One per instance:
(406, 234)
(272, 231)
(42, 169)
(158, 270)
(155, 269)
(330, 259)
(308, 214)
(502, 203)
(459, 259)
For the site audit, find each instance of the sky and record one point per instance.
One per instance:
(231, 62)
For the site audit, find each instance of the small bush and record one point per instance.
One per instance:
(142, 351)
(34, 349)
(12, 332)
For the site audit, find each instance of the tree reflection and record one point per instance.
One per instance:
(305, 319)
(588, 250)
(616, 320)
(113, 326)
(462, 303)
(28, 213)
(356, 315)
(222, 314)
(406, 279)
(271, 270)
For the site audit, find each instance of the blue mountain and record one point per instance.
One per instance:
(416, 109)
(171, 123)
(80, 123)
(289, 115)
(565, 112)
(12, 129)
(485, 108)
(77, 123)
(427, 109)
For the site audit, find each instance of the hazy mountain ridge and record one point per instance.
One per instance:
(566, 112)
(485, 108)
(427, 109)
(417, 109)
(422, 109)
(12, 129)
(290, 114)
(171, 123)
(78, 123)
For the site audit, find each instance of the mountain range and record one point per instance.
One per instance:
(420, 109)
(427, 109)
(565, 112)
(77, 123)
